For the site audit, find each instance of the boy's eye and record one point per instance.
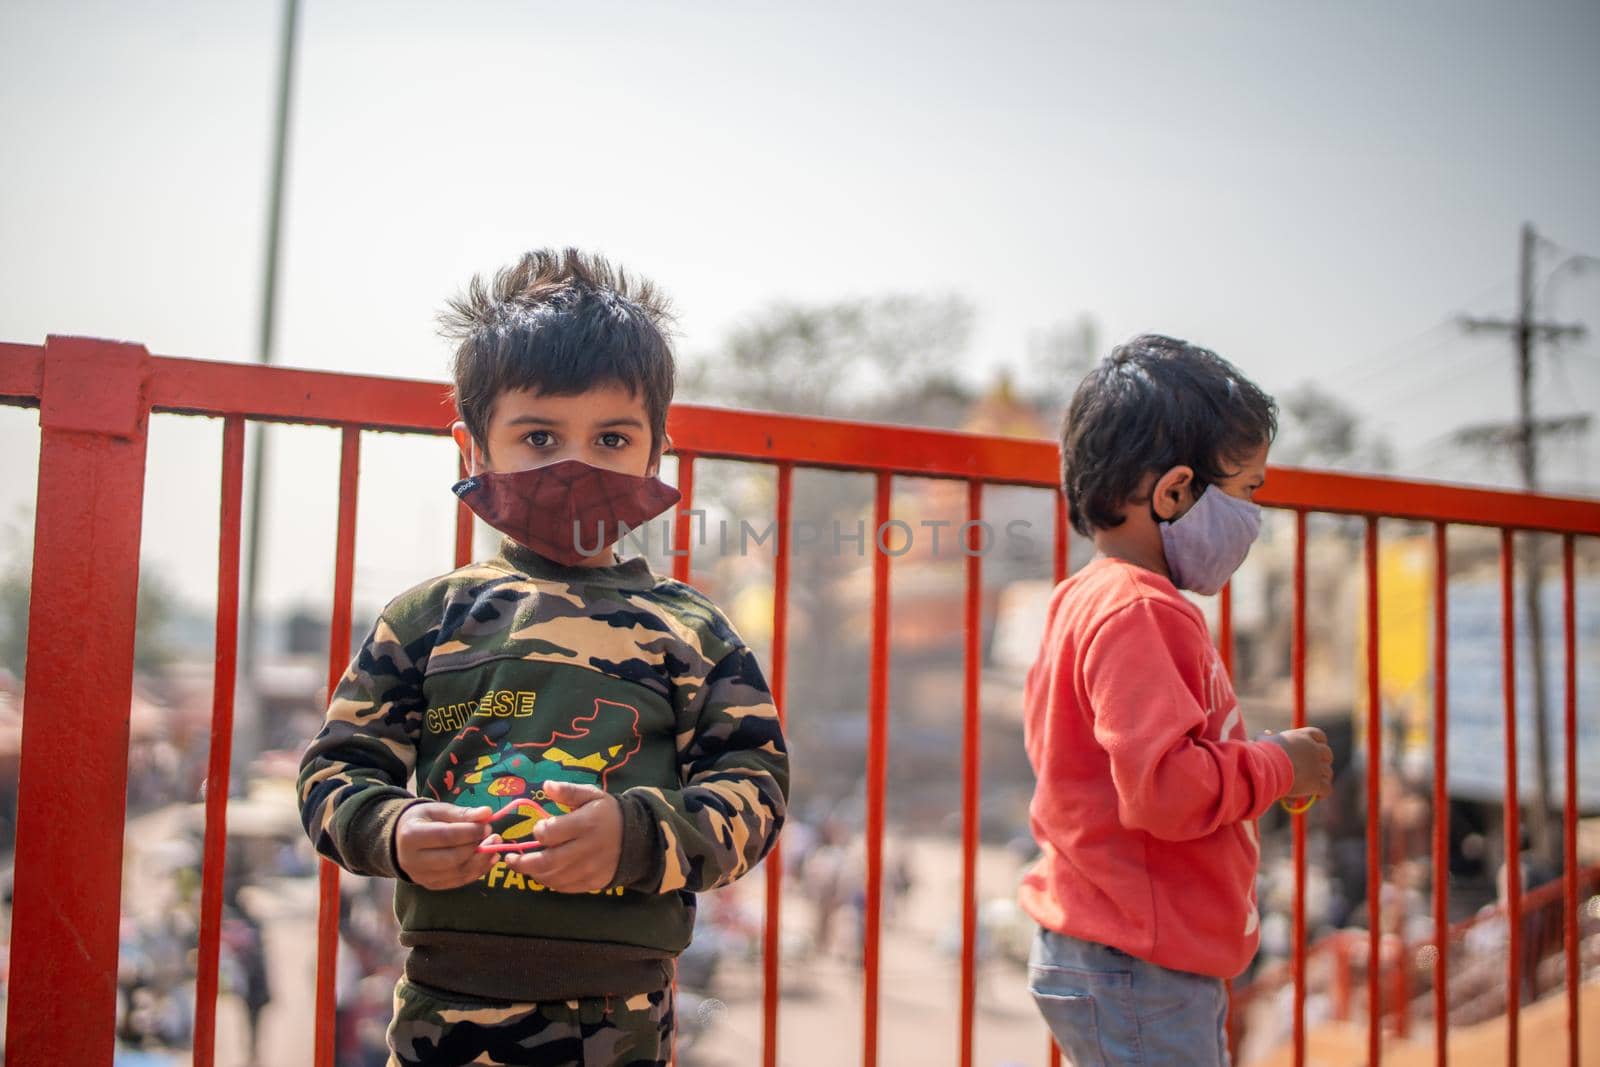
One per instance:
(613, 440)
(540, 439)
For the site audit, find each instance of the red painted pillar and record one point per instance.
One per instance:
(93, 416)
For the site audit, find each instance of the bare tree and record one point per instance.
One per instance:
(1318, 429)
(852, 358)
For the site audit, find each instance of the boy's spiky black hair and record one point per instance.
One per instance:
(1153, 404)
(559, 323)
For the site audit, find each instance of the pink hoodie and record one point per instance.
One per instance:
(1148, 789)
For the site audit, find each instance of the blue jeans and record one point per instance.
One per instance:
(1109, 1009)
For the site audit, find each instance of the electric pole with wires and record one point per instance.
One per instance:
(1523, 435)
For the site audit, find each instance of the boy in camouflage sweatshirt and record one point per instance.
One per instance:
(592, 745)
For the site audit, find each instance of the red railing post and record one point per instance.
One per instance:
(682, 555)
(1341, 977)
(463, 523)
(1402, 984)
(338, 659)
(1374, 807)
(1569, 814)
(877, 767)
(772, 944)
(93, 418)
(971, 765)
(1225, 646)
(1060, 557)
(1513, 810)
(1441, 795)
(221, 755)
(1297, 657)
(682, 552)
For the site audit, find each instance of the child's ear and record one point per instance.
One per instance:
(1173, 493)
(655, 460)
(464, 442)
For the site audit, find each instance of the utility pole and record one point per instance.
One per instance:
(1524, 434)
(248, 720)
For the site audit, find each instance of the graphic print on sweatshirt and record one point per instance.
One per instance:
(515, 744)
(1222, 701)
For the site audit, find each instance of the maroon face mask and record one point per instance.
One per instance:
(567, 511)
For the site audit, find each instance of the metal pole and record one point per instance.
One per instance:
(247, 725)
(1533, 572)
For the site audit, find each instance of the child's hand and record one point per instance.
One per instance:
(436, 844)
(1312, 758)
(581, 848)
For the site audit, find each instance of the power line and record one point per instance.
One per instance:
(1380, 359)
(1458, 377)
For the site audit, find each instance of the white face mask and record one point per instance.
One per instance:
(1207, 543)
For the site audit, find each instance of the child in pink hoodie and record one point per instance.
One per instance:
(1148, 786)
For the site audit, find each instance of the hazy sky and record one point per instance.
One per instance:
(1315, 190)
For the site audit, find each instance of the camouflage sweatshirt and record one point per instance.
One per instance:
(487, 682)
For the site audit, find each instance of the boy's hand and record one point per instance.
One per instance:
(436, 844)
(1312, 758)
(581, 848)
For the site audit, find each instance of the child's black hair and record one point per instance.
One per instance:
(560, 323)
(1153, 404)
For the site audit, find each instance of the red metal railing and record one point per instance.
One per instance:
(95, 399)
(1543, 912)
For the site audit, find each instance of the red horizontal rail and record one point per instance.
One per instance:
(1422, 501)
(1541, 896)
(281, 394)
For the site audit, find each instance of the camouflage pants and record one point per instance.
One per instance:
(436, 1029)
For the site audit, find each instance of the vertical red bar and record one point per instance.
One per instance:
(877, 768)
(93, 418)
(1341, 977)
(1225, 628)
(771, 945)
(1402, 984)
(1374, 807)
(1225, 645)
(1513, 812)
(970, 765)
(1441, 794)
(463, 524)
(681, 553)
(221, 755)
(1060, 559)
(1569, 814)
(1298, 826)
(683, 547)
(1063, 542)
(338, 659)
